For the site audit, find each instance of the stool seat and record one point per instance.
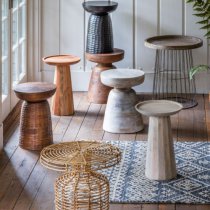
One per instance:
(34, 91)
(106, 58)
(122, 78)
(99, 7)
(158, 108)
(61, 60)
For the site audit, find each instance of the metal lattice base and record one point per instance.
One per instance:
(171, 79)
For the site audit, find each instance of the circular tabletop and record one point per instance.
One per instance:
(122, 78)
(61, 59)
(173, 42)
(104, 58)
(34, 91)
(158, 108)
(99, 7)
(91, 154)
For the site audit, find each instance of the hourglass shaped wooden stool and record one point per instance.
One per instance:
(62, 104)
(121, 115)
(80, 187)
(35, 121)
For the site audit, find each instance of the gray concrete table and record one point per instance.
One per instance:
(120, 115)
(160, 160)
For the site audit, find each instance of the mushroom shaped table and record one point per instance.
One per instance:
(62, 104)
(160, 160)
(120, 115)
(35, 120)
(80, 187)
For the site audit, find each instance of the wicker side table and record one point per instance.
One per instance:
(173, 62)
(62, 104)
(80, 187)
(35, 121)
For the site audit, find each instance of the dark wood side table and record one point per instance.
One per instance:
(62, 104)
(98, 92)
(35, 121)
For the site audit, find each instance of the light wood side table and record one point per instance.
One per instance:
(160, 160)
(62, 104)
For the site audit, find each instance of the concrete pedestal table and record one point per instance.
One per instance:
(160, 160)
(120, 115)
(63, 104)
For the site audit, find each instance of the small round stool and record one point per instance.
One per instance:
(62, 104)
(80, 187)
(35, 120)
(121, 115)
(98, 92)
(160, 160)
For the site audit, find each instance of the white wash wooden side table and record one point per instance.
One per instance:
(120, 115)
(160, 160)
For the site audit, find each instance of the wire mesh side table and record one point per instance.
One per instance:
(173, 61)
(81, 187)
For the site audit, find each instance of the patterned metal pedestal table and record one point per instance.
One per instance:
(173, 62)
(80, 187)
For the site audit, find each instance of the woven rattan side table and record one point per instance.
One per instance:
(173, 61)
(80, 187)
(35, 121)
(62, 104)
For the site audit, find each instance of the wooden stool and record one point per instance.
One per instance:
(80, 187)
(121, 115)
(98, 92)
(35, 121)
(62, 104)
(160, 161)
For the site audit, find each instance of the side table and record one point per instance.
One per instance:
(62, 104)
(98, 92)
(160, 160)
(173, 61)
(35, 119)
(121, 115)
(80, 187)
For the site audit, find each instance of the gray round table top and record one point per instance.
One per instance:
(158, 108)
(173, 42)
(122, 78)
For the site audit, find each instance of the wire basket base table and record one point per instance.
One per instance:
(173, 61)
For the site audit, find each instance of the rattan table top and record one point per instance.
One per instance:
(93, 155)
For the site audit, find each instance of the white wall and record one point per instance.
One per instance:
(62, 28)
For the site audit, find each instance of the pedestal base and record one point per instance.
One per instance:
(121, 115)
(160, 161)
(35, 125)
(62, 104)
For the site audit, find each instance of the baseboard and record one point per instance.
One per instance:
(11, 122)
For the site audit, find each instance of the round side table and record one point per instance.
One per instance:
(173, 62)
(35, 120)
(160, 160)
(98, 92)
(80, 187)
(99, 35)
(62, 104)
(120, 115)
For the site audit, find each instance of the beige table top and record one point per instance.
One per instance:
(158, 108)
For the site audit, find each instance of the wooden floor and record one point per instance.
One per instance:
(25, 184)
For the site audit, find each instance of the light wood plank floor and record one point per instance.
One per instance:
(25, 184)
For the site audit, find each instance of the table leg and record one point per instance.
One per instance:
(98, 92)
(63, 104)
(160, 160)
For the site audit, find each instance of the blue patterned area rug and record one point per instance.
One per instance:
(129, 185)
